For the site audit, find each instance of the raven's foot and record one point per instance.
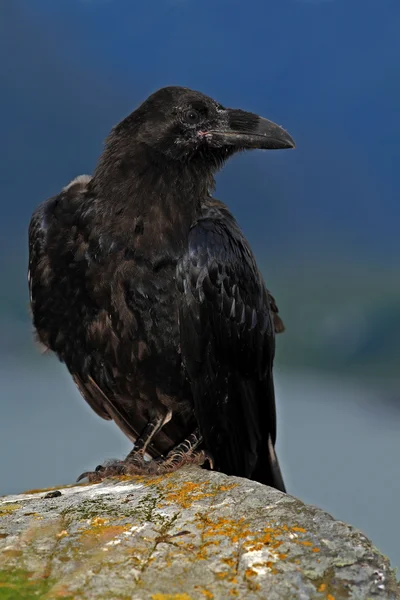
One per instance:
(114, 468)
(186, 453)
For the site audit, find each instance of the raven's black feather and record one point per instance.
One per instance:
(148, 291)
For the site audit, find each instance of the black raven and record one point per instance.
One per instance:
(145, 287)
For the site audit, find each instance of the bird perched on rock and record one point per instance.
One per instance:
(145, 287)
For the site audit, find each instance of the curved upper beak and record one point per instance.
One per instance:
(247, 130)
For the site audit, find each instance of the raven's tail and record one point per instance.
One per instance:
(268, 470)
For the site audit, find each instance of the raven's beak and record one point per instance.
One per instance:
(247, 130)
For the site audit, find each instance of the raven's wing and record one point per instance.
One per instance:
(228, 344)
(57, 253)
(40, 281)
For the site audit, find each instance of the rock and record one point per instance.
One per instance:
(190, 535)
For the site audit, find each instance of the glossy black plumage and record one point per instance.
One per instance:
(145, 287)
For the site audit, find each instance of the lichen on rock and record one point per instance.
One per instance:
(190, 535)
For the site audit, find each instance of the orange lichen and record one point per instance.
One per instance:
(100, 532)
(322, 587)
(266, 538)
(229, 561)
(223, 526)
(330, 597)
(187, 494)
(206, 593)
(250, 573)
(222, 575)
(239, 534)
(171, 597)
(152, 480)
(226, 488)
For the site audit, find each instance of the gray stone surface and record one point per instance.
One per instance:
(190, 535)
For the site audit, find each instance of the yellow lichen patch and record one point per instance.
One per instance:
(299, 529)
(6, 509)
(171, 597)
(322, 587)
(227, 576)
(223, 526)
(244, 539)
(276, 536)
(270, 537)
(206, 593)
(226, 488)
(250, 573)
(221, 574)
(153, 480)
(102, 533)
(229, 561)
(269, 564)
(187, 494)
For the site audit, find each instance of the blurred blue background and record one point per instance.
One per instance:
(323, 219)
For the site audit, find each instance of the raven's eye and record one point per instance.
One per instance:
(191, 116)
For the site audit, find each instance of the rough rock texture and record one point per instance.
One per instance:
(189, 535)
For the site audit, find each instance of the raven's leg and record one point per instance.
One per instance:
(186, 453)
(152, 427)
(136, 455)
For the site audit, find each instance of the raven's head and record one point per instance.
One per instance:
(185, 125)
